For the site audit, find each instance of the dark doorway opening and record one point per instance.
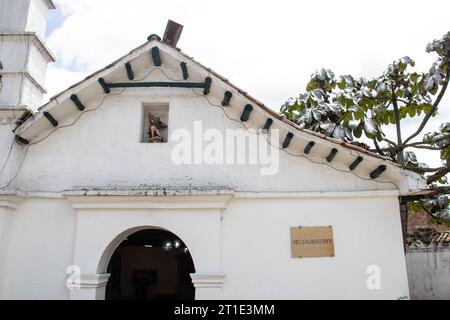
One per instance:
(151, 264)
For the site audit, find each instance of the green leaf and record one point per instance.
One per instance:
(358, 131)
(402, 112)
(359, 114)
(445, 154)
(434, 90)
(427, 108)
(414, 206)
(418, 110)
(342, 85)
(348, 116)
(369, 135)
(392, 117)
(311, 86)
(379, 136)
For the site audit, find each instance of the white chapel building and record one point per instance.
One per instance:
(124, 186)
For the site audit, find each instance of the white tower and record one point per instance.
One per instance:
(23, 54)
(23, 66)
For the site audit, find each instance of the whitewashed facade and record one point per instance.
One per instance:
(71, 193)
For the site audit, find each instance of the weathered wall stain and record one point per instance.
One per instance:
(429, 272)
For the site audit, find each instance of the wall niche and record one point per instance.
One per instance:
(155, 123)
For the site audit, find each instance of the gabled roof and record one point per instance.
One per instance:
(59, 108)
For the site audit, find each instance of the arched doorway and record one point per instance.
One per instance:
(151, 264)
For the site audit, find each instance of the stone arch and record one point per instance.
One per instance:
(147, 262)
(112, 246)
(104, 222)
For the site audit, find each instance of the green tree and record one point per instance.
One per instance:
(347, 108)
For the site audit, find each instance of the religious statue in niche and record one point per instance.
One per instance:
(155, 124)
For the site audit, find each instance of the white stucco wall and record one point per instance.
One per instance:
(37, 62)
(6, 138)
(14, 15)
(248, 241)
(24, 61)
(14, 52)
(10, 151)
(366, 232)
(39, 237)
(22, 53)
(100, 155)
(37, 17)
(23, 16)
(239, 241)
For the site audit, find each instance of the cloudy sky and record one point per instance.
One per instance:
(269, 48)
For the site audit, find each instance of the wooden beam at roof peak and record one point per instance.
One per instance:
(332, 154)
(309, 147)
(356, 163)
(77, 102)
(184, 70)
(50, 119)
(130, 72)
(156, 57)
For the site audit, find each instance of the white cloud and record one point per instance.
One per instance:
(269, 48)
(59, 79)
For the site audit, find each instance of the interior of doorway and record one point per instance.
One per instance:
(151, 264)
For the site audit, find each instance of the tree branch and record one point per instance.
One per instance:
(426, 210)
(423, 147)
(445, 136)
(400, 158)
(442, 189)
(424, 170)
(438, 175)
(432, 111)
(377, 147)
(392, 143)
(404, 101)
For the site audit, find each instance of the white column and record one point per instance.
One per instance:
(208, 286)
(87, 286)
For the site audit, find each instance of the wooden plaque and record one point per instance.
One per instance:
(309, 242)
